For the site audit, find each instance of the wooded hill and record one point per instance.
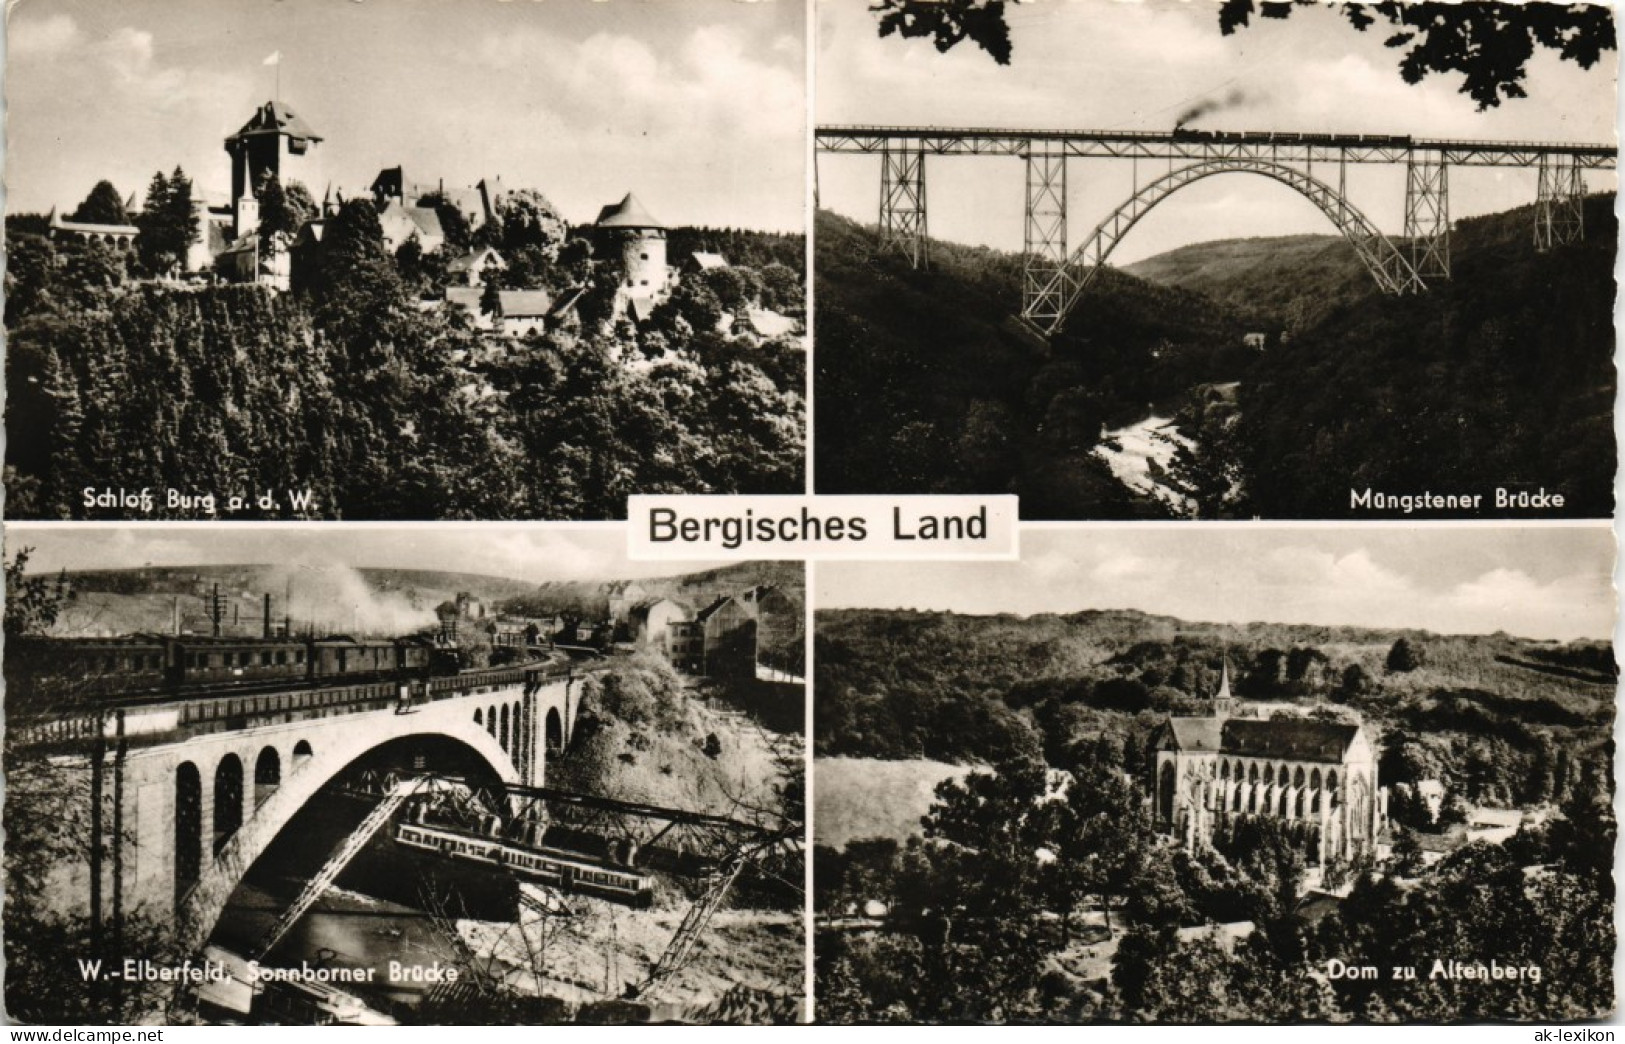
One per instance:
(1502, 376)
(1492, 714)
(924, 384)
(350, 388)
(1272, 282)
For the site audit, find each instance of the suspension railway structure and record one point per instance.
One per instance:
(1055, 274)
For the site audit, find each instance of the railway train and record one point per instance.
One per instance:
(159, 664)
(1292, 138)
(567, 871)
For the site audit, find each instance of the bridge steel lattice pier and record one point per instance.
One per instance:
(1054, 276)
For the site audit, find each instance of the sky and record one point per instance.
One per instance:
(698, 106)
(1533, 582)
(1125, 65)
(527, 552)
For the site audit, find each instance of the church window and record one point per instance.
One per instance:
(1314, 779)
(1331, 781)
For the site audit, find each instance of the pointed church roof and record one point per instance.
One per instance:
(1224, 681)
(1288, 739)
(628, 213)
(274, 117)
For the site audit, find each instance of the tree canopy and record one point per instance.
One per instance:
(1489, 42)
(104, 206)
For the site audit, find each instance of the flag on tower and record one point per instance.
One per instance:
(274, 59)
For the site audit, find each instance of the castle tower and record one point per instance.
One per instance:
(261, 147)
(627, 231)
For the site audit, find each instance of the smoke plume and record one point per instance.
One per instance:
(1208, 106)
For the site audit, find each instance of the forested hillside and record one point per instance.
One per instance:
(1278, 282)
(1500, 377)
(379, 402)
(1508, 720)
(925, 385)
(1117, 920)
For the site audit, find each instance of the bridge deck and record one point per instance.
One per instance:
(1195, 144)
(150, 720)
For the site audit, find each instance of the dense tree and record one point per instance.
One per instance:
(1490, 43)
(168, 224)
(104, 206)
(1403, 657)
(32, 602)
(284, 210)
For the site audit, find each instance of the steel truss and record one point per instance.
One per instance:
(1392, 272)
(712, 849)
(1052, 281)
(1274, 145)
(1427, 215)
(1559, 203)
(902, 203)
(1046, 278)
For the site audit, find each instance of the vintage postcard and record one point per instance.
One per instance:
(295, 776)
(1199, 260)
(1220, 775)
(420, 260)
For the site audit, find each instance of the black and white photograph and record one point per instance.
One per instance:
(298, 775)
(1218, 260)
(1202, 775)
(296, 259)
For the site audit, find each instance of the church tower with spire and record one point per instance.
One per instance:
(1224, 704)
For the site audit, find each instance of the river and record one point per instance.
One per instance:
(1139, 446)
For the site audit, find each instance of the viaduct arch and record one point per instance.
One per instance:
(1055, 296)
(200, 789)
(331, 752)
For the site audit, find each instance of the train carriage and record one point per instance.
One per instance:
(229, 661)
(564, 870)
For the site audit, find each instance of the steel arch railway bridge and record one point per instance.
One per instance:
(1314, 165)
(187, 792)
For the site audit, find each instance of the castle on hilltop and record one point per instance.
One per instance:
(230, 243)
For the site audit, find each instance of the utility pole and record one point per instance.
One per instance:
(217, 610)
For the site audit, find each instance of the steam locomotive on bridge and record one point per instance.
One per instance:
(1291, 138)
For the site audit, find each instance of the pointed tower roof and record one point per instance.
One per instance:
(274, 117)
(628, 213)
(1224, 704)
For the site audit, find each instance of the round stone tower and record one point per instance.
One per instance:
(627, 231)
